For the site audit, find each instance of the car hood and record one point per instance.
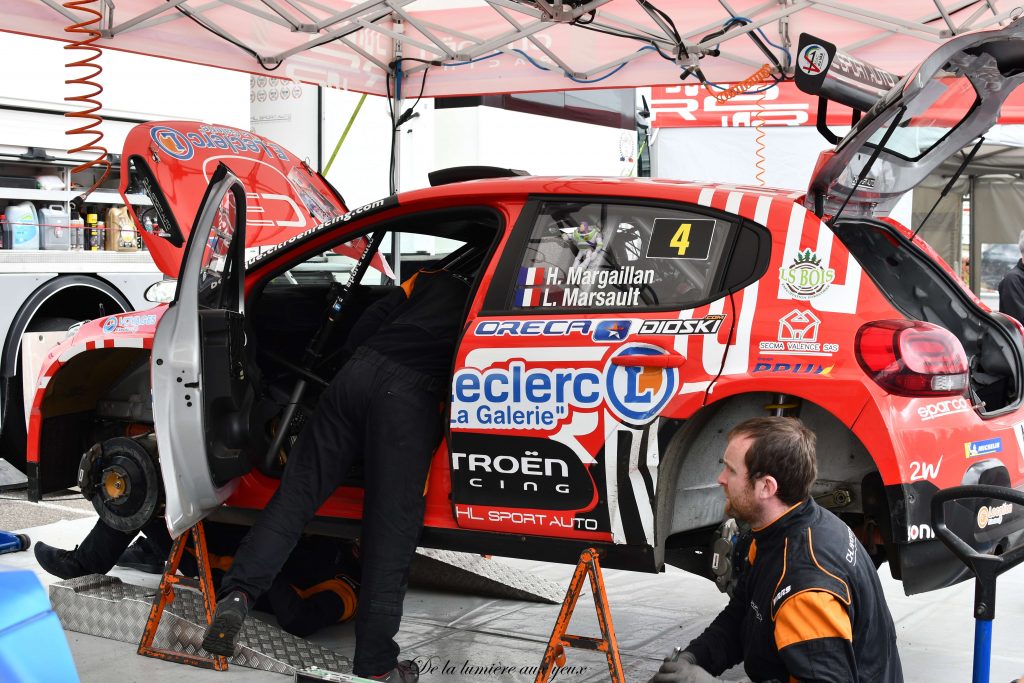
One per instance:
(953, 97)
(167, 165)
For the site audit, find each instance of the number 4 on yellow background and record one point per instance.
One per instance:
(681, 240)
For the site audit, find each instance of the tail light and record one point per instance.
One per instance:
(912, 358)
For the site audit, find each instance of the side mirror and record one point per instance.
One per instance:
(161, 292)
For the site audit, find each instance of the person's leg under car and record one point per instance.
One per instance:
(316, 466)
(99, 551)
(402, 433)
(96, 554)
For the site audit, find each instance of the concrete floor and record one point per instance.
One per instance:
(448, 633)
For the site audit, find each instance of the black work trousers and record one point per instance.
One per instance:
(101, 548)
(390, 416)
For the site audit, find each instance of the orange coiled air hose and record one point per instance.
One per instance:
(87, 33)
(762, 75)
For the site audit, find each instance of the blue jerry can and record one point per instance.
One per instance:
(33, 648)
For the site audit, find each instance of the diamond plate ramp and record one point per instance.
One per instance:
(11, 477)
(104, 606)
(474, 575)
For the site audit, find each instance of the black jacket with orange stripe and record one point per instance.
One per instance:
(809, 608)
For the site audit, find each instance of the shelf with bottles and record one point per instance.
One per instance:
(38, 193)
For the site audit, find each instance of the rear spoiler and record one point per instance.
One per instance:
(824, 70)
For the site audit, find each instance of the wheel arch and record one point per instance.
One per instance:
(91, 396)
(692, 461)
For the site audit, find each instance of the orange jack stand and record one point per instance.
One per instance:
(555, 653)
(204, 584)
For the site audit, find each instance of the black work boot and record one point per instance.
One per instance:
(406, 671)
(60, 563)
(141, 556)
(222, 633)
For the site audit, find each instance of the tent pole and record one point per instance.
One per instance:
(396, 147)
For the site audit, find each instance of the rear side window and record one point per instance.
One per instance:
(609, 256)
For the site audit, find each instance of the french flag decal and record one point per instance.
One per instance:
(527, 293)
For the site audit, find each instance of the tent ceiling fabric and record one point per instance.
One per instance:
(350, 45)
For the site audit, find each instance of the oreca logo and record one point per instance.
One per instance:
(637, 393)
(172, 142)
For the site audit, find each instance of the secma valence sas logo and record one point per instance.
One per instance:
(806, 278)
(813, 59)
(636, 390)
(173, 142)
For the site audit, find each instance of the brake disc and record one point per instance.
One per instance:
(124, 482)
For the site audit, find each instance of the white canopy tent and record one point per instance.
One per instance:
(487, 46)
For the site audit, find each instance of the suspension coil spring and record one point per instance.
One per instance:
(86, 33)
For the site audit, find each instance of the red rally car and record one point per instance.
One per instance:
(617, 330)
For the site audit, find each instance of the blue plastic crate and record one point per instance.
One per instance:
(33, 647)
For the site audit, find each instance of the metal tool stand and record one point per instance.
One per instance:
(204, 584)
(555, 652)
(986, 568)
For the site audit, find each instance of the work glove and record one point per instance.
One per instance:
(683, 669)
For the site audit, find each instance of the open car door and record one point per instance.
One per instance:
(200, 392)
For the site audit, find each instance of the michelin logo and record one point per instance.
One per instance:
(977, 449)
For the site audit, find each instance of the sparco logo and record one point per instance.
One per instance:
(942, 408)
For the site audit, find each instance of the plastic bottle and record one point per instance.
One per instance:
(3, 226)
(89, 236)
(76, 225)
(100, 237)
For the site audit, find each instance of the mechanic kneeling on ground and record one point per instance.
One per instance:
(809, 606)
(386, 405)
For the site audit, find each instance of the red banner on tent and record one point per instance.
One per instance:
(692, 106)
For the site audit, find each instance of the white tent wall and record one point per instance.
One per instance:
(436, 138)
(135, 87)
(463, 136)
(539, 144)
(727, 155)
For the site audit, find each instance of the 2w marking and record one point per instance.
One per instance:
(922, 471)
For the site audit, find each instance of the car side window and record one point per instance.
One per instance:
(619, 256)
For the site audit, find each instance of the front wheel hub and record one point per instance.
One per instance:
(123, 482)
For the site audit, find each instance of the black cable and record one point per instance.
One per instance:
(394, 132)
(406, 115)
(630, 36)
(228, 38)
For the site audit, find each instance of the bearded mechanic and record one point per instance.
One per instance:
(809, 607)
